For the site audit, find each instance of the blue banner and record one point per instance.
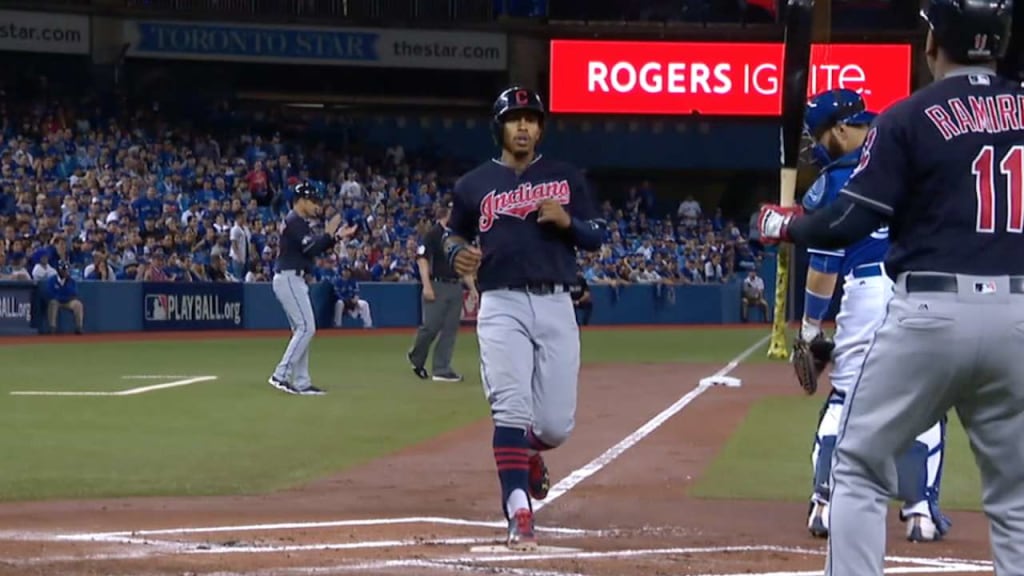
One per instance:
(319, 46)
(206, 306)
(16, 300)
(255, 42)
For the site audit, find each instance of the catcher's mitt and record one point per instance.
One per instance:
(810, 359)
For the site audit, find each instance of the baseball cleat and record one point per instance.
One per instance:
(921, 529)
(447, 377)
(311, 391)
(282, 385)
(521, 536)
(540, 482)
(817, 523)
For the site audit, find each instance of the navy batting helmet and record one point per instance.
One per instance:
(970, 30)
(512, 99)
(308, 191)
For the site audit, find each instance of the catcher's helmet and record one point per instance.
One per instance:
(512, 99)
(970, 30)
(308, 191)
(829, 109)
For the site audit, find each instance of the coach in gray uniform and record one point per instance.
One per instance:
(442, 305)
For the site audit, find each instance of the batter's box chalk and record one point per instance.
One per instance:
(502, 549)
(727, 381)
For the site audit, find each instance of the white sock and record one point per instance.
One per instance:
(517, 500)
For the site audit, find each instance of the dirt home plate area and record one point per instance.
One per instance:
(619, 506)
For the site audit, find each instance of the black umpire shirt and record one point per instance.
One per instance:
(432, 249)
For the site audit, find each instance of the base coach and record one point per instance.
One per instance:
(442, 304)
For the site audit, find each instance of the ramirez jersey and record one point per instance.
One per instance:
(945, 167)
(824, 191)
(493, 204)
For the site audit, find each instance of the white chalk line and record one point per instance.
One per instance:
(155, 376)
(572, 480)
(128, 392)
(485, 564)
(478, 563)
(324, 524)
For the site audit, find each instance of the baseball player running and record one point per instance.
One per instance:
(529, 214)
(945, 169)
(837, 122)
(299, 248)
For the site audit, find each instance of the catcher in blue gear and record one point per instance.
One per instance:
(837, 123)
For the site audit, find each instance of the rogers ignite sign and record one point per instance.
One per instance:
(615, 77)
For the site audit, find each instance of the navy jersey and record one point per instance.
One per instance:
(946, 168)
(299, 246)
(499, 208)
(824, 191)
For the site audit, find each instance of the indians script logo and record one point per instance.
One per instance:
(521, 202)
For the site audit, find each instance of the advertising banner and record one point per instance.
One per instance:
(44, 32)
(385, 48)
(206, 306)
(713, 78)
(16, 307)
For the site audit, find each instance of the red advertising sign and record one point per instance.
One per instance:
(621, 77)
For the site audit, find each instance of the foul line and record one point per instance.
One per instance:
(129, 392)
(491, 564)
(301, 525)
(595, 465)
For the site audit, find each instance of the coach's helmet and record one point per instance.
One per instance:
(970, 30)
(828, 110)
(306, 190)
(512, 99)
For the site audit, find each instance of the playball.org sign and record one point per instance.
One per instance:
(713, 78)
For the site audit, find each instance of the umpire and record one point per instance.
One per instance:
(442, 304)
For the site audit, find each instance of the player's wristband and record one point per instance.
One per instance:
(586, 232)
(815, 306)
(452, 250)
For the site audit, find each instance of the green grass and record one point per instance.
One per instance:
(768, 458)
(238, 435)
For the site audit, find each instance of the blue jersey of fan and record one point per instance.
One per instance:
(868, 251)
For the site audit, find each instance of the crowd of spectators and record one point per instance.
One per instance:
(129, 198)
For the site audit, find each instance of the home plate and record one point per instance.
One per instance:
(502, 549)
(728, 381)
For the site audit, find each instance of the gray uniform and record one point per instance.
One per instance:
(441, 316)
(954, 328)
(299, 248)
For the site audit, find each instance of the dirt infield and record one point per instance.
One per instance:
(620, 506)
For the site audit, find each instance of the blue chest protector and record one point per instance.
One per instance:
(860, 255)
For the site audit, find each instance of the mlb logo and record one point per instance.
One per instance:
(985, 287)
(156, 307)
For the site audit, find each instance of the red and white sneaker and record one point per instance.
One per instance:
(521, 535)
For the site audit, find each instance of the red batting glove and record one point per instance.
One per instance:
(773, 222)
